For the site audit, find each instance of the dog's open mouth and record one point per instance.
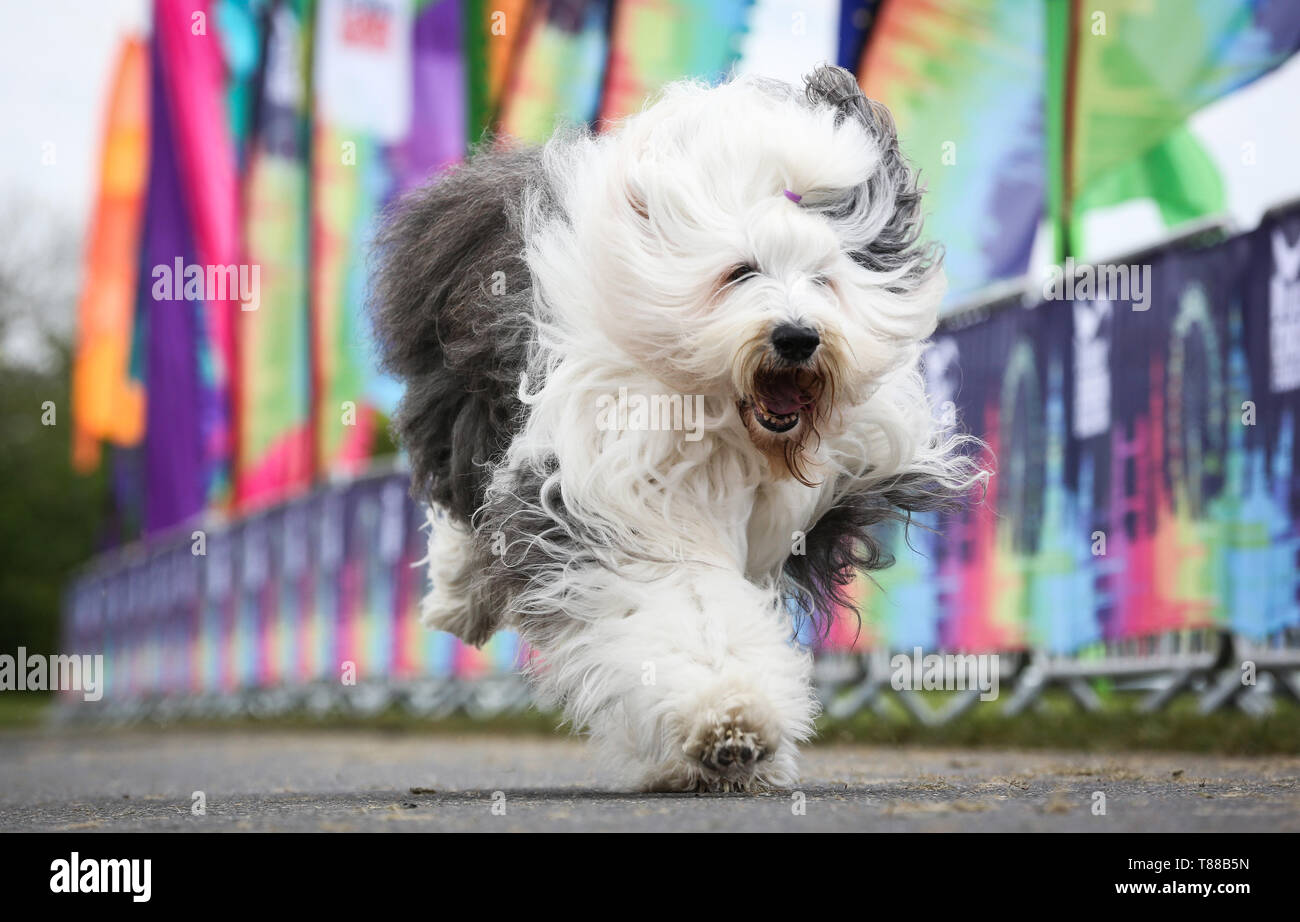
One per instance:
(781, 396)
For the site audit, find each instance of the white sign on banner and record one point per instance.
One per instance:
(363, 66)
(1092, 321)
(1284, 315)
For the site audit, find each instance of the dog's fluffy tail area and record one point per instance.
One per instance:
(450, 303)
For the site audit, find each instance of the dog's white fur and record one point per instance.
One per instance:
(676, 648)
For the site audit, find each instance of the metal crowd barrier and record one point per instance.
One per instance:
(1108, 419)
(310, 605)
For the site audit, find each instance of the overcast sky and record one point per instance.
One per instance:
(56, 58)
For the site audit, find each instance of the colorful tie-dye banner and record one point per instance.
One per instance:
(176, 263)
(505, 23)
(1121, 97)
(559, 71)
(171, 331)
(195, 75)
(273, 394)
(411, 57)
(654, 42)
(440, 127)
(362, 105)
(965, 80)
(107, 403)
(239, 25)
(487, 38)
(173, 259)
(988, 95)
(194, 71)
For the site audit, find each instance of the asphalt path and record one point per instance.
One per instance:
(337, 780)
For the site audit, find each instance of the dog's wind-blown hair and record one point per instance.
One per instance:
(752, 248)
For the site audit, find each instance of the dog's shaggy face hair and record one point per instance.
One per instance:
(738, 220)
(752, 249)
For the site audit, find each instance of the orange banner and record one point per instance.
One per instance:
(107, 405)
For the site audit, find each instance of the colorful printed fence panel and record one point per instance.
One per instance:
(315, 591)
(1147, 484)
(1146, 459)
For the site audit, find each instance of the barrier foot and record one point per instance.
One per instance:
(959, 705)
(1028, 690)
(1257, 701)
(1178, 683)
(913, 706)
(933, 717)
(849, 703)
(1222, 693)
(1084, 694)
(1285, 684)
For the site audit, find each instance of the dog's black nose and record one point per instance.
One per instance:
(795, 343)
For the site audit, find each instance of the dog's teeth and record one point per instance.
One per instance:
(781, 422)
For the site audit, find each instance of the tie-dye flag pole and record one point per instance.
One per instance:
(964, 81)
(273, 393)
(654, 42)
(108, 405)
(362, 101)
(194, 70)
(559, 71)
(171, 323)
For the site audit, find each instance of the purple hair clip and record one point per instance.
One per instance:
(793, 196)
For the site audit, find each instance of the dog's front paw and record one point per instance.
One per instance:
(730, 742)
(727, 751)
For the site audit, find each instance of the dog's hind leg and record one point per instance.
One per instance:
(451, 604)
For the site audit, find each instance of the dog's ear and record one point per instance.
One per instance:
(838, 88)
(894, 242)
(449, 306)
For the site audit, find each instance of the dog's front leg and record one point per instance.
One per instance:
(692, 681)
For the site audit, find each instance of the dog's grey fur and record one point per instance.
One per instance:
(459, 347)
(844, 543)
(898, 244)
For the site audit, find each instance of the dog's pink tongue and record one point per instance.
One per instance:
(786, 399)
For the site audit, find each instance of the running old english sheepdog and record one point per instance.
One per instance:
(660, 382)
